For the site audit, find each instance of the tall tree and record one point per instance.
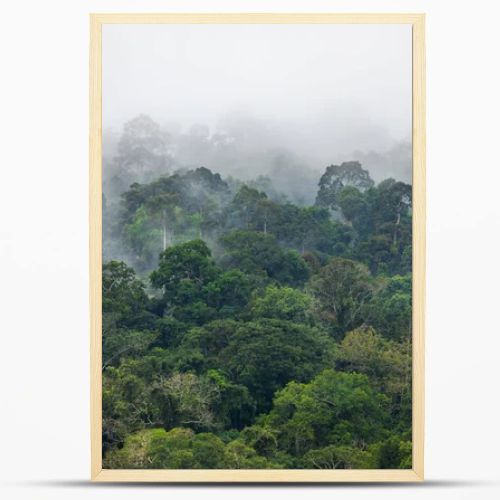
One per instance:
(183, 272)
(334, 408)
(336, 177)
(342, 288)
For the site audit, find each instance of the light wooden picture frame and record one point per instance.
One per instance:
(418, 291)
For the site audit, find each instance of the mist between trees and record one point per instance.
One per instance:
(256, 316)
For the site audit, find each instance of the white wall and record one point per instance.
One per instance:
(44, 448)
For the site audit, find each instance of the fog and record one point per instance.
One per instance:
(277, 100)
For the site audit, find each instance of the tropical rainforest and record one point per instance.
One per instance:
(246, 328)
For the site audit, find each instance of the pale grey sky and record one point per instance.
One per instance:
(330, 89)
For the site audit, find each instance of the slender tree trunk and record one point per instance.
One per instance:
(398, 220)
(165, 230)
(164, 235)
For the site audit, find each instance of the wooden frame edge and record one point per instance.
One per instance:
(254, 475)
(419, 244)
(98, 474)
(256, 18)
(95, 244)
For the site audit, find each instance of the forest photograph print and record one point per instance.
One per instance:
(257, 207)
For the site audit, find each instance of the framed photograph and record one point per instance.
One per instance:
(257, 247)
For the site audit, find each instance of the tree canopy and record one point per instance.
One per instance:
(242, 330)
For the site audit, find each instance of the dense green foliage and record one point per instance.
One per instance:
(244, 331)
